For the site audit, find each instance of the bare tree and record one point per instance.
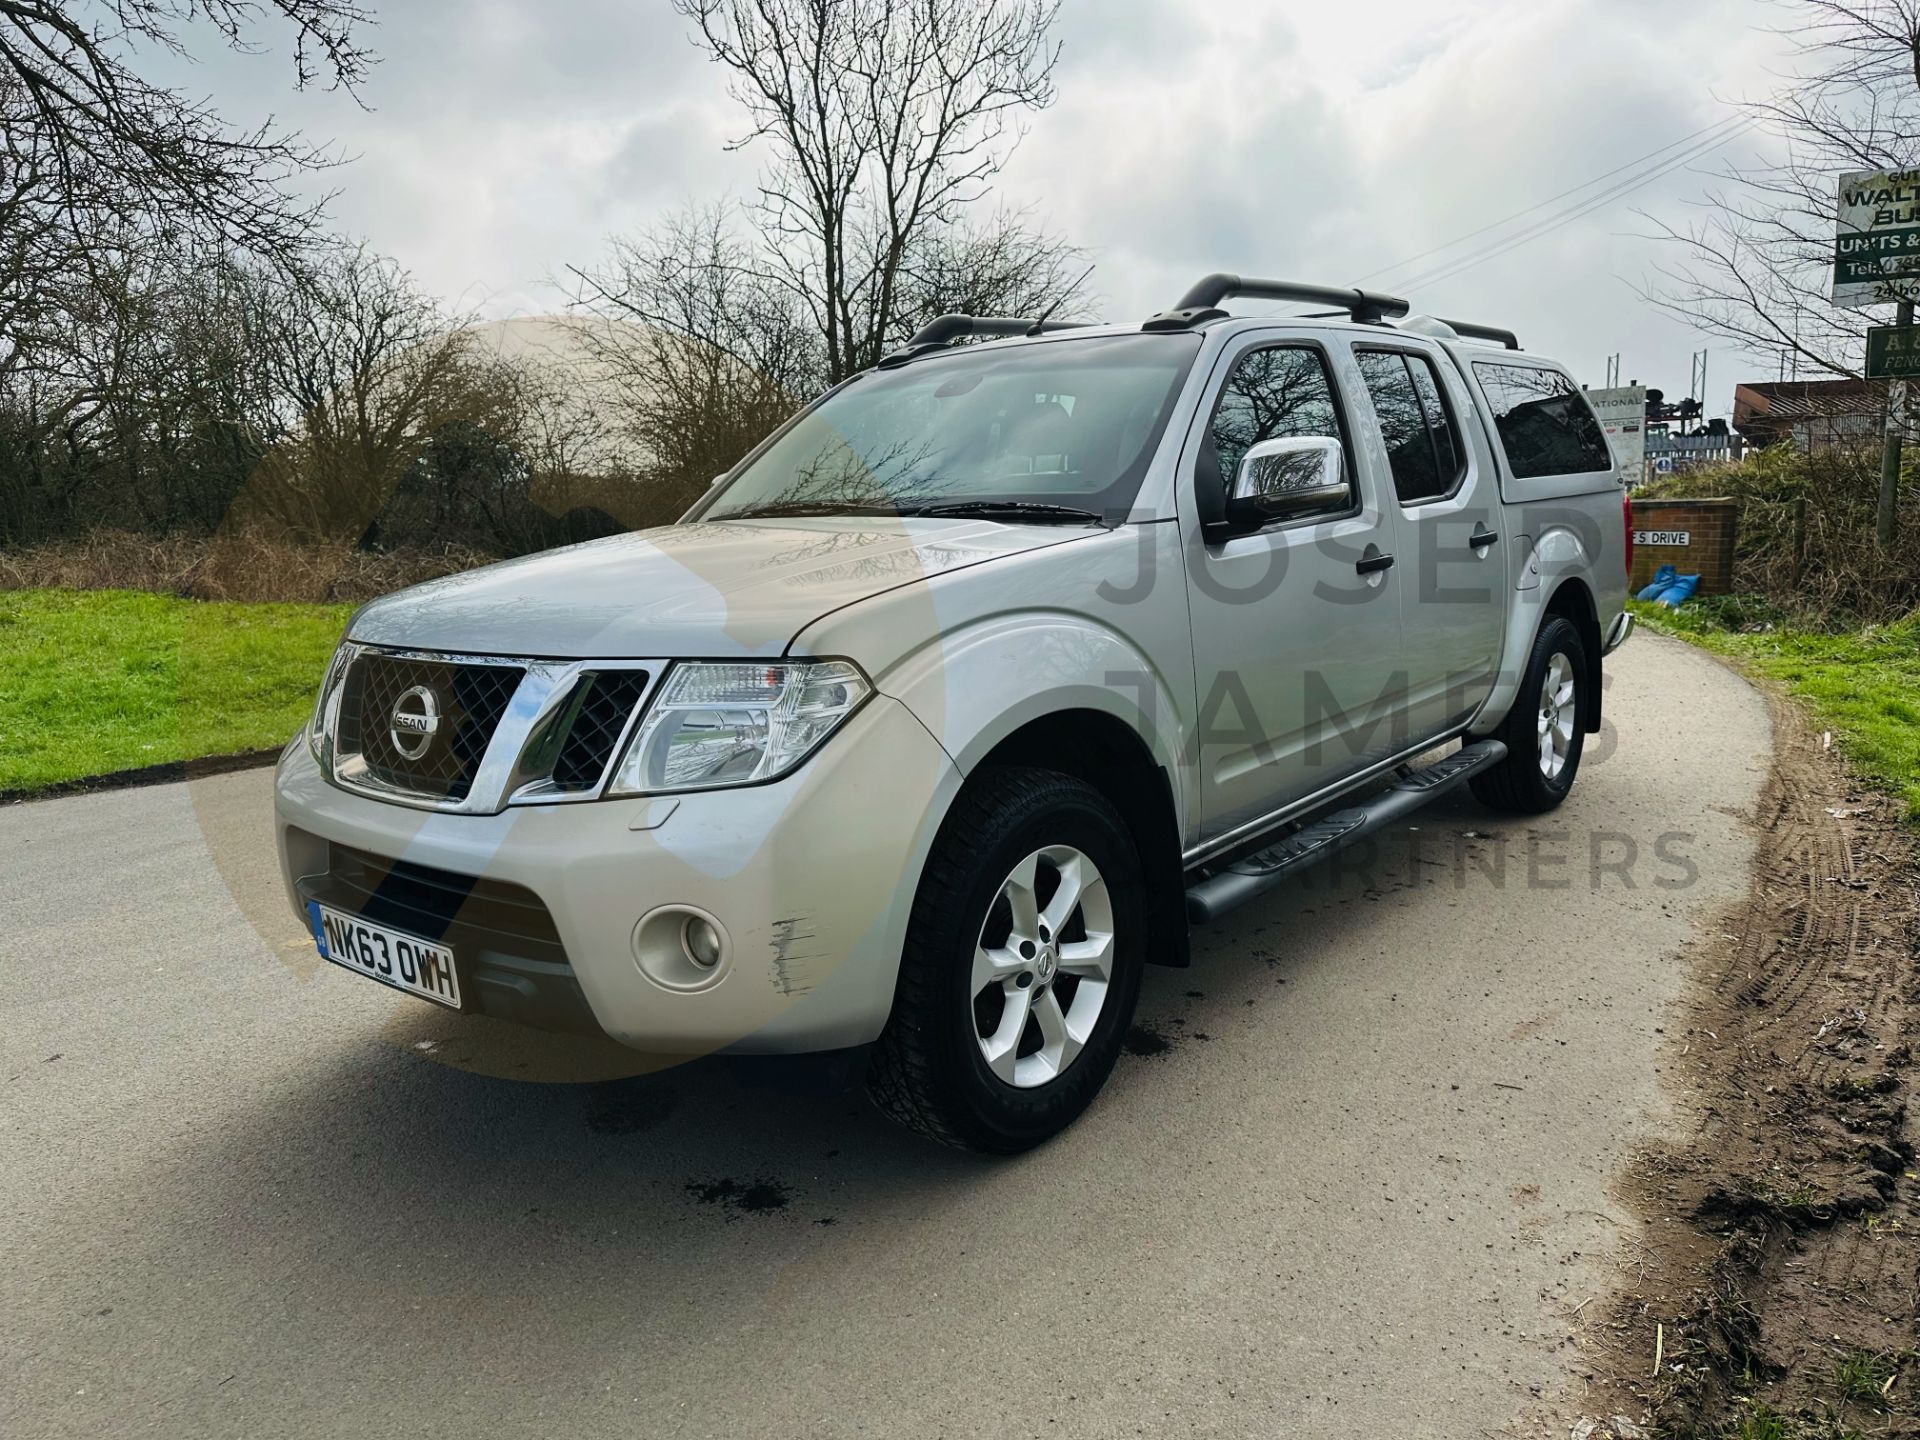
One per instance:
(702, 349)
(884, 119)
(97, 162)
(143, 407)
(571, 443)
(1756, 268)
(89, 116)
(538, 463)
(368, 370)
(1000, 265)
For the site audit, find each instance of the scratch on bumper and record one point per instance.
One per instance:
(791, 975)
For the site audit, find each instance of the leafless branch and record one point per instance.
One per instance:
(883, 120)
(1755, 267)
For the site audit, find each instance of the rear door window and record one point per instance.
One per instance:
(1414, 424)
(1545, 425)
(1447, 452)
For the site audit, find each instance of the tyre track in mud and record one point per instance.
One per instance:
(1781, 1240)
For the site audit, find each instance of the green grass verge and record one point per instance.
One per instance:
(1862, 684)
(101, 680)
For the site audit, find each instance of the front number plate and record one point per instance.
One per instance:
(403, 961)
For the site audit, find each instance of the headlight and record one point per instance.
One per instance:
(714, 725)
(329, 688)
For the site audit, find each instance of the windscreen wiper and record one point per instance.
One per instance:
(1035, 512)
(803, 507)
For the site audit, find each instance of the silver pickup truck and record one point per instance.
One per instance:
(960, 698)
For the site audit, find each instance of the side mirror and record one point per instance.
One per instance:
(1286, 478)
(717, 479)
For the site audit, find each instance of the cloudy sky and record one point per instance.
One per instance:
(1324, 140)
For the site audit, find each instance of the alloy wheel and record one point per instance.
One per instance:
(1042, 966)
(1558, 716)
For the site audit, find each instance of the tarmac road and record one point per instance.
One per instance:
(1355, 1185)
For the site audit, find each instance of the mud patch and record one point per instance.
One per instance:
(1774, 1287)
(1145, 1040)
(741, 1197)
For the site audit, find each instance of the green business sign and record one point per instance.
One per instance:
(1893, 352)
(1876, 243)
(1883, 255)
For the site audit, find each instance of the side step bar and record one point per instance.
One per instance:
(1259, 872)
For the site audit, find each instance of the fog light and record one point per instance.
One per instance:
(702, 941)
(681, 948)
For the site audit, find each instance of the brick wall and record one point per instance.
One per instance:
(1708, 553)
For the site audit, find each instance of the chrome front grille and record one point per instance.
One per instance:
(467, 702)
(604, 703)
(472, 734)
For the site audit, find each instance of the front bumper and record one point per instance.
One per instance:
(810, 877)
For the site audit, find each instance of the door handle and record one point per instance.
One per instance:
(1480, 539)
(1372, 564)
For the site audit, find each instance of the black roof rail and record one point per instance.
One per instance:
(1483, 332)
(1202, 302)
(940, 333)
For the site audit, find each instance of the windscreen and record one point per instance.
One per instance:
(1067, 423)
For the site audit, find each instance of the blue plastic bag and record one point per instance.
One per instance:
(1679, 592)
(1662, 578)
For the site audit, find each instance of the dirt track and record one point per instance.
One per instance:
(1776, 1270)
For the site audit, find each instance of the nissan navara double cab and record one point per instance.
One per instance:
(958, 700)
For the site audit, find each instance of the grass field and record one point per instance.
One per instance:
(1863, 684)
(103, 680)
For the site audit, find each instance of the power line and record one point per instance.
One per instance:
(1542, 204)
(1448, 269)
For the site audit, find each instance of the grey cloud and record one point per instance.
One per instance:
(1097, 35)
(505, 139)
(1261, 146)
(668, 157)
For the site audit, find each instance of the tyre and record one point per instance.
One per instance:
(1543, 733)
(1021, 967)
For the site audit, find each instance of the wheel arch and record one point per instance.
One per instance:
(1573, 601)
(1103, 751)
(1551, 584)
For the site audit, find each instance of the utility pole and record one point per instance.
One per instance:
(1887, 517)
